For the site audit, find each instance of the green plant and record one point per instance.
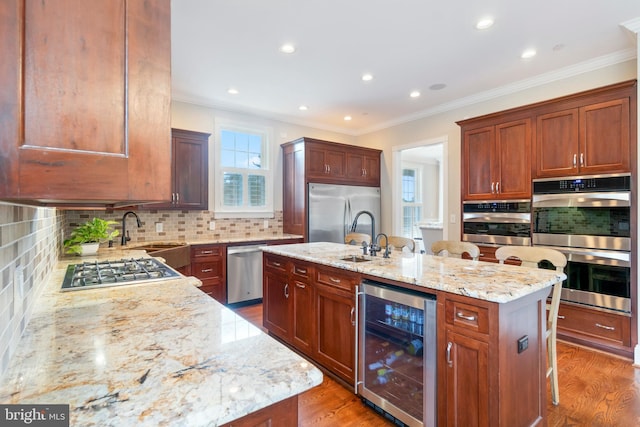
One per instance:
(95, 231)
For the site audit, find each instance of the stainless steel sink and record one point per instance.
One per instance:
(355, 258)
(176, 255)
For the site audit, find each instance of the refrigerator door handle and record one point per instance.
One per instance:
(346, 223)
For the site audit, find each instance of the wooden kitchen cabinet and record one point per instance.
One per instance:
(497, 160)
(86, 102)
(189, 171)
(303, 327)
(335, 318)
(209, 263)
(308, 160)
(590, 139)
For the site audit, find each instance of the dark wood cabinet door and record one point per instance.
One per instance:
(325, 161)
(335, 325)
(190, 171)
(294, 192)
(277, 304)
(302, 315)
(604, 137)
(363, 168)
(513, 148)
(478, 163)
(557, 149)
(372, 169)
(467, 381)
(209, 264)
(88, 96)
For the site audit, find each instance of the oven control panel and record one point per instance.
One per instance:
(582, 184)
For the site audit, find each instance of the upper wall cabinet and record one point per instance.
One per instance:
(591, 138)
(85, 102)
(189, 170)
(497, 160)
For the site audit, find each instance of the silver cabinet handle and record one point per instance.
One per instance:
(277, 264)
(449, 361)
(498, 187)
(334, 280)
(301, 270)
(469, 318)
(173, 198)
(581, 159)
(206, 252)
(560, 317)
(286, 290)
(608, 328)
(300, 285)
(575, 160)
(492, 188)
(207, 270)
(177, 198)
(352, 317)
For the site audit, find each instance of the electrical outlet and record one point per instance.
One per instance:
(159, 227)
(18, 289)
(523, 343)
(212, 225)
(266, 223)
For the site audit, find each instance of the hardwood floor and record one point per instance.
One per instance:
(596, 389)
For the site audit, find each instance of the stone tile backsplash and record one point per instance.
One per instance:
(29, 250)
(177, 225)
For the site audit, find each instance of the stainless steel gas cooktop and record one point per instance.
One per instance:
(100, 274)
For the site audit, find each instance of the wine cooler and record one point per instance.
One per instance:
(396, 358)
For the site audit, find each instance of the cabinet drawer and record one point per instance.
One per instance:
(336, 278)
(593, 323)
(207, 270)
(217, 251)
(467, 316)
(275, 263)
(301, 271)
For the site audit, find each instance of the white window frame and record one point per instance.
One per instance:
(219, 209)
(419, 170)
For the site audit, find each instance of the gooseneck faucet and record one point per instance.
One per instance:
(125, 234)
(373, 224)
(386, 245)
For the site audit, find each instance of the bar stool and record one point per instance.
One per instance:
(531, 257)
(455, 249)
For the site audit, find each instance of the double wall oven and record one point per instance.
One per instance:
(589, 220)
(497, 223)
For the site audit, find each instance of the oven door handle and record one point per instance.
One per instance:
(597, 200)
(502, 218)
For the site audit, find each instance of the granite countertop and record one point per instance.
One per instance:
(158, 353)
(478, 279)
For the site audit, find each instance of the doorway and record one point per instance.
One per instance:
(419, 200)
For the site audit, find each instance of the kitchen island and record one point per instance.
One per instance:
(149, 354)
(490, 318)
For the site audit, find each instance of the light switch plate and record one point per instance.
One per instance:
(212, 225)
(159, 227)
(266, 223)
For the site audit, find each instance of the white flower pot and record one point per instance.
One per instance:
(89, 249)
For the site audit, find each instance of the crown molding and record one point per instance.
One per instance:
(546, 78)
(632, 25)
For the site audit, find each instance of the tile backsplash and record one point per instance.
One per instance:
(177, 225)
(29, 250)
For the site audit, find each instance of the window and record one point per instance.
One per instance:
(411, 201)
(243, 177)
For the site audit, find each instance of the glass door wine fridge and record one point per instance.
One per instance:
(396, 359)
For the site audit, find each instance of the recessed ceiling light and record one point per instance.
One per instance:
(484, 23)
(529, 53)
(287, 48)
(303, 108)
(232, 91)
(347, 118)
(415, 94)
(437, 86)
(367, 77)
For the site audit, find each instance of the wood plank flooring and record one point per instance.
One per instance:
(596, 389)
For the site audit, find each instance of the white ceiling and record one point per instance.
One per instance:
(405, 44)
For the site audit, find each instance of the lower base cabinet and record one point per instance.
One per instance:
(281, 414)
(312, 316)
(208, 263)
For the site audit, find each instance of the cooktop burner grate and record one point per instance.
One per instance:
(114, 273)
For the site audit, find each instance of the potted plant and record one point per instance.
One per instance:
(86, 238)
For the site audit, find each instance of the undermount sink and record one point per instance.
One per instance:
(355, 258)
(175, 255)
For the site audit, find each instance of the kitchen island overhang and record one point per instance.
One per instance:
(158, 353)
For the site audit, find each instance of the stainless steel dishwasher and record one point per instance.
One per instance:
(244, 274)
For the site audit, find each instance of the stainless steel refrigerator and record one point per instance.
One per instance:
(332, 209)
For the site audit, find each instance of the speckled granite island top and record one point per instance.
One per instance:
(161, 353)
(477, 279)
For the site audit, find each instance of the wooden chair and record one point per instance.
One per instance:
(530, 257)
(399, 243)
(357, 239)
(455, 249)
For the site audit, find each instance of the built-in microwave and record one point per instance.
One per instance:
(506, 222)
